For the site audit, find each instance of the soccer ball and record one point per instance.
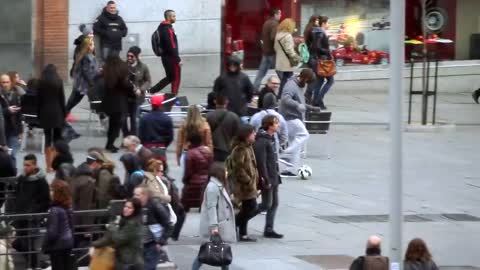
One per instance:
(304, 172)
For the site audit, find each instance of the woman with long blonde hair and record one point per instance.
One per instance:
(84, 71)
(194, 122)
(286, 56)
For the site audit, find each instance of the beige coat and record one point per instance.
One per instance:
(281, 62)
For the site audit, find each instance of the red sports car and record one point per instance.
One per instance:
(348, 55)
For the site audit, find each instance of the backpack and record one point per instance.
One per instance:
(157, 43)
(303, 52)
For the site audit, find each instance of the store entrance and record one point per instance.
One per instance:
(246, 18)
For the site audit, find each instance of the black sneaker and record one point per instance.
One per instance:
(272, 234)
(476, 95)
(288, 174)
(112, 149)
(246, 238)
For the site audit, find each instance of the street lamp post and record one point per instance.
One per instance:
(397, 57)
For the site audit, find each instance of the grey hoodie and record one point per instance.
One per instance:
(292, 103)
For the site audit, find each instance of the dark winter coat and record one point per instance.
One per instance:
(157, 213)
(156, 127)
(418, 265)
(111, 29)
(245, 173)
(51, 105)
(195, 179)
(84, 74)
(319, 47)
(126, 239)
(269, 31)
(224, 125)
(32, 194)
(104, 179)
(115, 100)
(60, 159)
(6, 170)
(12, 121)
(168, 41)
(59, 227)
(133, 174)
(238, 88)
(267, 160)
(3, 140)
(83, 193)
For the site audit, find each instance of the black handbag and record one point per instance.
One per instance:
(216, 252)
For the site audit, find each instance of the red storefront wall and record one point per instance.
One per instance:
(246, 18)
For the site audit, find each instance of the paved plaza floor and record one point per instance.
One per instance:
(327, 219)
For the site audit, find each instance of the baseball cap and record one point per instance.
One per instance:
(157, 100)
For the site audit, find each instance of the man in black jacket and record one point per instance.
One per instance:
(156, 128)
(224, 126)
(169, 52)
(32, 195)
(111, 28)
(157, 226)
(267, 163)
(10, 100)
(236, 86)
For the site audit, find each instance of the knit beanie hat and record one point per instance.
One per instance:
(135, 50)
(85, 29)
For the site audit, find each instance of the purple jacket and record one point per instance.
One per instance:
(59, 234)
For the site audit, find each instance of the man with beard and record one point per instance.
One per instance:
(293, 108)
(139, 75)
(236, 86)
(165, 45)
(111, 28)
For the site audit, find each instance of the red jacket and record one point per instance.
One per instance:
(197, 162)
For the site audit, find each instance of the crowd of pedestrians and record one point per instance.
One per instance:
(229, 157)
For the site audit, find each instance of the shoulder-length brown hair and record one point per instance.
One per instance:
(84, 49)
(61, 194)
(194, 122)
(217, 170)
(417, 250)
(309, 27)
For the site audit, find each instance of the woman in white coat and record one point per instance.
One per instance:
(217, 215)
(286, 56)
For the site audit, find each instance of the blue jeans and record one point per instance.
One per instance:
(14, 143)
(323, 86)
(268, 62)
(284, 76)
(197, 264)
(151, 256)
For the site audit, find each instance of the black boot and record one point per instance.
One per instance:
(476, 95)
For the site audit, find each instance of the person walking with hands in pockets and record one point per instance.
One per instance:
(217, 216)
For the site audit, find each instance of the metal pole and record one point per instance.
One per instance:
(424, 71)
(222, 36)
(397, 56)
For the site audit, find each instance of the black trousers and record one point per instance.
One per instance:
(114, 126)
(52, 135)
(73, 100)
(247, 212)
(61, 260)
(132, 114)
(181, 215)
(173, 72)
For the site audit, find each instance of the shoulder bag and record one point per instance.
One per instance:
(216, 252)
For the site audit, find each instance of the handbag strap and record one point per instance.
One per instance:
(283, 48)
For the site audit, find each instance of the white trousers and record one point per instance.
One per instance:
(297, 137)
